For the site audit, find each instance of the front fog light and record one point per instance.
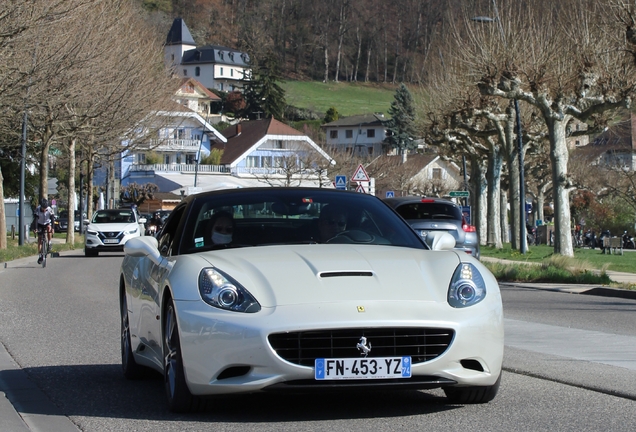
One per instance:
(467, 286)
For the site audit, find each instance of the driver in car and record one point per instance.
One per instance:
(331, 222)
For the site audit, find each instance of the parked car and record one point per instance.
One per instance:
(61, 222)
(109, 230)
(327, 291)
(437, 214)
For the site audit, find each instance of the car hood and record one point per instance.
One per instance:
(287, 275)
(113, 227)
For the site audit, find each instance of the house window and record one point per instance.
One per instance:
(333, 134)
(252, 162)
(370, 133)
(185, 72)
(221, 55)
(178, 158)
(221, 86)
(278, 144)
(577, 143)
(166, 159)
(231, 72)
(370, 151)
(231, 56)
(437, 173)
(279, 162)
(197, 71)
(348, 133)
(221, 71)
(267, 161)
(141, 158)
(191, 159)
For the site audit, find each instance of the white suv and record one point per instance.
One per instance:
(109, 230)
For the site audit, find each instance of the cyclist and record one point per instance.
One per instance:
(44, 218)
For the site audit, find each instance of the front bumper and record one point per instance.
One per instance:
(95, 243)
(226, 352)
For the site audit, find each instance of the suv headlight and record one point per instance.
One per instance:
(467, 286)
(220, 290)
(131, 231)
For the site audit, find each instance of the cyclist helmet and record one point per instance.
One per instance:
(44, 203)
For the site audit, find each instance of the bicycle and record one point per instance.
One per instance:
(43, 238)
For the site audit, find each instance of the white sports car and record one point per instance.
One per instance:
(262, 289)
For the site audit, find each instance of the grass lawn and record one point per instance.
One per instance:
(348, 98)
(583, 257)
(13, 251)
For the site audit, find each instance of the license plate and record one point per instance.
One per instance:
(111, 241)
(363, 368)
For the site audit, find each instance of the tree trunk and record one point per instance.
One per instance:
(503, 216)
(560, 189)
(70, 231)
(358, 55)
(326, 50)
(366, 73)
(3, 221)
(512, 161)
(479, 187)
(495, 163)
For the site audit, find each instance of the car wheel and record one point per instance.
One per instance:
(179, 397)
(128, 364)
(472, 395)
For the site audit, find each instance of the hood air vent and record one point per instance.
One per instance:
(345, 273)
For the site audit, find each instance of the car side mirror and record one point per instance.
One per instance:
(144, 246)
(86, 221)
(440, 240)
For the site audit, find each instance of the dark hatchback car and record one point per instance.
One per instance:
(61, 222)
(437, 214)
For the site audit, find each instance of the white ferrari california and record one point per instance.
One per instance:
(296, 289)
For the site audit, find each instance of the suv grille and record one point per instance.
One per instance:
(302, 348)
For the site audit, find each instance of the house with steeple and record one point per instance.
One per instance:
(216, 67)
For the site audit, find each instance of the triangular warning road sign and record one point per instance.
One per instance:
(360, 175)
(360, 188)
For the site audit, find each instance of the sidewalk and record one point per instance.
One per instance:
(592, 289)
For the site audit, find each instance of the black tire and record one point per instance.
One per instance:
(45, 252)
(180, 400)
(90, 253)
(472, 395)
(129, 366)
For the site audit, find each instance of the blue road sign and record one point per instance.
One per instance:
(341, 182)
(390, 194)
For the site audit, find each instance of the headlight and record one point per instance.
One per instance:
(467, 286)
(91, 232)
(220, 290)
(131, 231)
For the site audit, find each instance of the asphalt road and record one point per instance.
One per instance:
(570, 365)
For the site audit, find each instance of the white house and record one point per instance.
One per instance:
(361, 135)
(216, 67)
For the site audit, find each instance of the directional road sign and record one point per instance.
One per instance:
(458, 194)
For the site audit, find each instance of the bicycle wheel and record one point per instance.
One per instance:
(45, 250)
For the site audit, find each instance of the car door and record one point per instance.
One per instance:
(157, 278)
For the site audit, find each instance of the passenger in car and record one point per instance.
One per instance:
(331, 222)
(220, 228)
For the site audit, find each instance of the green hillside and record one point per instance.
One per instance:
(347, 98)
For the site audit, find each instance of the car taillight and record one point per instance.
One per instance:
(469, 228)
(427, 200)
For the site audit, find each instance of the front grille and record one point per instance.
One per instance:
(110, 235)
(302, 348)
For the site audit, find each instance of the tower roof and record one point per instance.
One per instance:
(179, 34)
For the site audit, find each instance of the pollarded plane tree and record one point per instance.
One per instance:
(567, 63)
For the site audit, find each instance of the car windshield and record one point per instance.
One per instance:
(292, 216)
(429, 210)
(113, 216)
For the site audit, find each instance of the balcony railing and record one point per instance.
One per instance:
(175, 144)
(189, 168)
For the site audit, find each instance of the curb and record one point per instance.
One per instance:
(25, 407)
